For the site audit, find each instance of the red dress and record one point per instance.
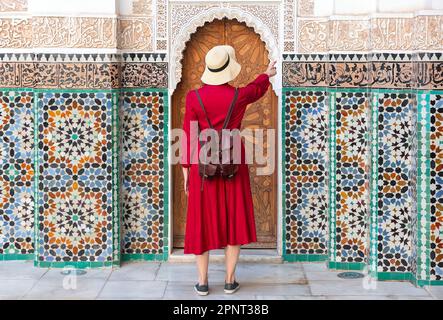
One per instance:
(223, 212)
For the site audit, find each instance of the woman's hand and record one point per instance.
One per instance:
(272, 70)
(186, 180)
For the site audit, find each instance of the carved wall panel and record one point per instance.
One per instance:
(85, 71)
(392, 34)
(142, 7)
(74, 32)
(13, 5)
(349, 35)
(312, 35)
(289, 26)
(305, 7)
(135, 34)
(378, 34)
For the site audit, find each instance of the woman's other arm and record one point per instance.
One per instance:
(257, 88)
(187, 143)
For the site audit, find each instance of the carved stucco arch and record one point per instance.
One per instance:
(180, 40)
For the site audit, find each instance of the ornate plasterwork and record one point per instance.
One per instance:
(15, 33)
(289, 26)
(142, 7)
(83, 71)
(135, 34)
(312, 35)
(348, 35)
(305, 8)
(74, 32)
(380, 70)
(187, 17)
(428, 33)
(161, 25)
(132, 33)
(379, 34)
(392, 33)
(13, 5)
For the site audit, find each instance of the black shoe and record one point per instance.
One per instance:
(201, 290)
(231, 287)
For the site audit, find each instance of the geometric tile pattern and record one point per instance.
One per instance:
(16, 173)
(394, 195)
(349, 192)
(143, 163)
(77, 203)
(305, 172)
(436, 187)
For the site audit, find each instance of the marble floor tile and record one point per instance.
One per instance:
(99, 273)
(17, 270)
(133, 289)
(271, 273)
(67, 288)
(15, 288)
(261, 297)
(187, 272)
(142, 271)
(185, 290)
(435, 291)
(355, 287)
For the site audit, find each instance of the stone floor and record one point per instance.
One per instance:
(154, 280)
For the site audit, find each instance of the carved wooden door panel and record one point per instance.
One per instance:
(253, 56)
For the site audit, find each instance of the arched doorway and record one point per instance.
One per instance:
(253, 56)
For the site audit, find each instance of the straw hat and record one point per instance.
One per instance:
(221, 65)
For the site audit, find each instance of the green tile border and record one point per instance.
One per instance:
(116, 174)
(36, 167)
(144, 257)
(423, 195)
(332, 176)
(283, 169)
(347, 265)
(166, 169)
(305, 257)
(16, 256)
(398, 276)
(75, 264)
(373, 185)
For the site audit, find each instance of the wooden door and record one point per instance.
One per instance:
(253, 56)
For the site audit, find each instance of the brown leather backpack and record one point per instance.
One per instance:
(227, 170)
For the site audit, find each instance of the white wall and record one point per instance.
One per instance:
(437, 4)
(350, 7)
(361, 7)
(72, 7)
(404, 5)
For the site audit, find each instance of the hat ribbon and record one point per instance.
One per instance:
(221, 68)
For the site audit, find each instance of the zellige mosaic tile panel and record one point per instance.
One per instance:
(16, 173)
(305, 152)
(143, 161)
(351, 187)
(436, 187)
(77, 203)
(395, 132)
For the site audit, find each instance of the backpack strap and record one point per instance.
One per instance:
(203, 107)
(228, 116)
(231, 108)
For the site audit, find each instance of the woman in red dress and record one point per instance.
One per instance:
(221, 214)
